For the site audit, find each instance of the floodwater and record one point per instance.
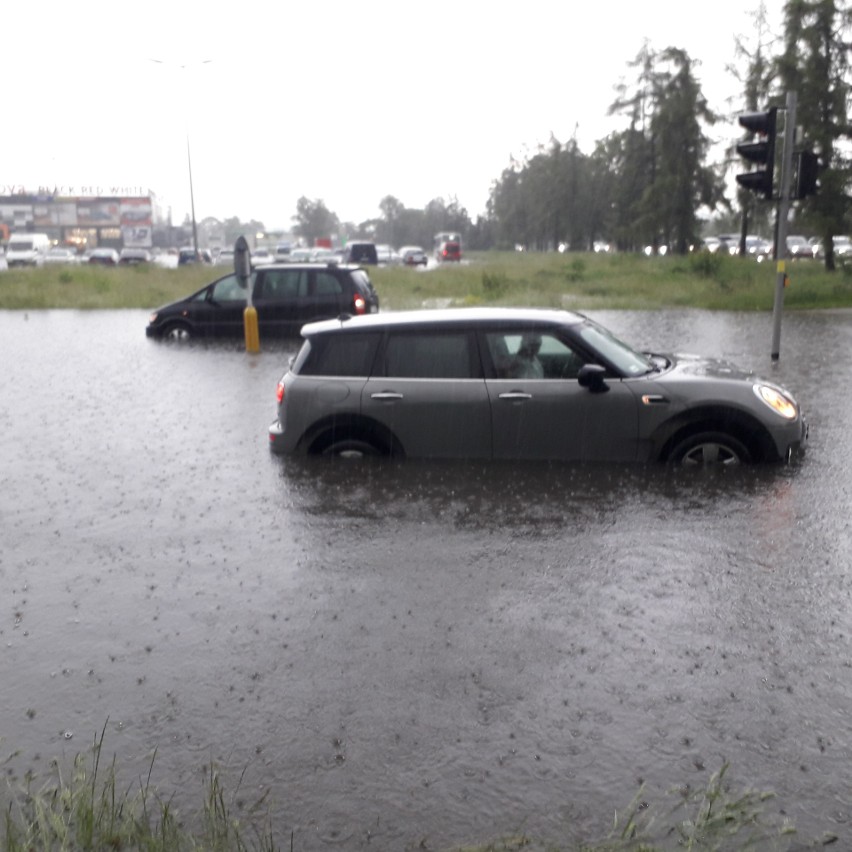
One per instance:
(406, 654)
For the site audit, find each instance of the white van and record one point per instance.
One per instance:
(27, 249)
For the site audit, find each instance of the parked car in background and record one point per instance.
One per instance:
(729, 243)
(286, 296)
(282, 252)
(449, 252)
(514, 383)
(387, 256)
(413, 256)
(189, 255)
(842, 249)
(323, 255)
(261, 256)
(61, 256)
(134, 256)
(225, 258)
(798, 248)
(27, 249)
(104, 257)
(362, 253)
(300, 255)
(758, 248)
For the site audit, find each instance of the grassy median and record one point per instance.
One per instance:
(582, 281)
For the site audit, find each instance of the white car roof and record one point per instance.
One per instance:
(445, 315)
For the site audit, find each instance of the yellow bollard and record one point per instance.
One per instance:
(252, 334)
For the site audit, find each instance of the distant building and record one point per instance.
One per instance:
(85, 221)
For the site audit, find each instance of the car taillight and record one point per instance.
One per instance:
(279, 392)
(360, 304)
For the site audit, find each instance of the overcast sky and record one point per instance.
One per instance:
(344, 102)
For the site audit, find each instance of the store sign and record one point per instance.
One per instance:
(73, 191)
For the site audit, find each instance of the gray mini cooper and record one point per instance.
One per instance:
(504, 383)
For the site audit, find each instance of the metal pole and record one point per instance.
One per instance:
(192, 201)
(781, 222)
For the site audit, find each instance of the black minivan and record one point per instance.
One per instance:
(286, 296)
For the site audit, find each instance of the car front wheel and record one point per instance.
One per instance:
(710, 448)
(352, 448)
(177, 332)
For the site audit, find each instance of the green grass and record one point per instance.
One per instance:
(98, 287)
(581, 281)
(85, 811)
(590, 281)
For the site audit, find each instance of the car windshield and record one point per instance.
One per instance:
(624, 358)
(228, 289)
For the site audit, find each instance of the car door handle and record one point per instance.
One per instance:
(386, 395)
(515, 395)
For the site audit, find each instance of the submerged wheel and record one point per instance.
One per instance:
(177, 332)
(352, 448)
(710, 448)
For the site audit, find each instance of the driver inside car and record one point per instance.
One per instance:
(525, 364)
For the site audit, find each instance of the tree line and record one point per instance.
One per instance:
(657, 181)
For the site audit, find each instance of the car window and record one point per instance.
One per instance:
(338, 355)
(625, 359)
(283, 284)
(327, 284)
(426, 355)
(228, 290)
(519, 354)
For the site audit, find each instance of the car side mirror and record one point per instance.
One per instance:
(591, 376)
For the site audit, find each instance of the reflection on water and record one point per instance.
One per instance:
(407, 652)
(491, 496)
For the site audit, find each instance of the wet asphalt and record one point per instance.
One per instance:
(397, 654)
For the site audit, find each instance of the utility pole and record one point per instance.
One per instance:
(763, 152)
(781, 228)
(192, 202)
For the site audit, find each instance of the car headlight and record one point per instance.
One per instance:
(779, 401)
(152, 319)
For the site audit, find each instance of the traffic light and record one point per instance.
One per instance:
(763, 152)
(807, 174)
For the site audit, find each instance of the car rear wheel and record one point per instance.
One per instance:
(177, 332)
(352, 448)
(710, 448)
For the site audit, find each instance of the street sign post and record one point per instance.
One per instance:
(242, 268)
(781, 225)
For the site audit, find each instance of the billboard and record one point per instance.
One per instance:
(55, 215)
(97, 214)
(133, 215)
(16, 215)
(137, 222)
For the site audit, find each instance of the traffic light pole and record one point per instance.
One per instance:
(781, 222)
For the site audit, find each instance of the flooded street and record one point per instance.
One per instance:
(416, 653)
